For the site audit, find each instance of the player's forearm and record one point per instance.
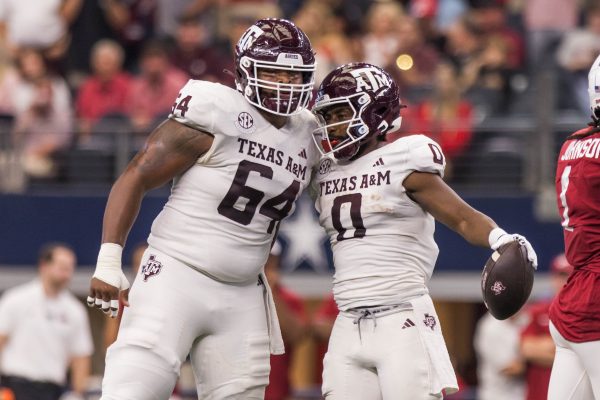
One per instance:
(475, 228)
(80, 372)
(122, 208)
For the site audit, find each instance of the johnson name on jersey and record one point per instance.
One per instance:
(380, 237)
(223, 212)
(577, 193)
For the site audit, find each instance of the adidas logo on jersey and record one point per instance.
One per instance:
(378, 162)
(302, 154)
(408, 323)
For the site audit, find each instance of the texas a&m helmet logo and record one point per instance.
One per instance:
(370, 78)
(249, 37)
(151, 268)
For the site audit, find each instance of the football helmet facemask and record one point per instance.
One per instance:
(374, 100)
(275, 45)
(594, 89)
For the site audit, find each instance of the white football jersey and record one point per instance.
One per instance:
(223, 212)
(382, 241)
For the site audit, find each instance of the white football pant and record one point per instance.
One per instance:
(179, 311)
(576, 369)
(387, 361)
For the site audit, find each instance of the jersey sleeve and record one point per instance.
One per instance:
(425, 155)
(195, 105)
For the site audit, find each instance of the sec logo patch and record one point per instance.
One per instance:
(245, 122)
(325, 166)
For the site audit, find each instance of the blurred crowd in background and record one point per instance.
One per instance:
(83, 82)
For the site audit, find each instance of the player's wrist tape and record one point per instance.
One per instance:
(495, 235)
(108, 266)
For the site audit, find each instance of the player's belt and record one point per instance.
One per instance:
(373, 312)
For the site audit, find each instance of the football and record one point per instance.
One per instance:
(507, 280)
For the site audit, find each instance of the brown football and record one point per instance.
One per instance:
(507, 280)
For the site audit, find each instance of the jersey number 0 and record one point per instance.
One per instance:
(355, 200)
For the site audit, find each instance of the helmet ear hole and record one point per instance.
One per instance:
(381, 111)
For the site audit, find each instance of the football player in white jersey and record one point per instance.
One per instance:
(377, 201)
(238, 161)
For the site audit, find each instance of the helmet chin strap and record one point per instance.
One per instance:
(596, 116)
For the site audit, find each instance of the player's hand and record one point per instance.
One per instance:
(108, 281)
(499, 237)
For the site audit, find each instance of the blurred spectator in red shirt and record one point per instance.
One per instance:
(293, 323)
(106, 92)
(537, 346)
(193, 54)
(152, 92)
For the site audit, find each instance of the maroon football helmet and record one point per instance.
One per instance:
(275, 44)
(374, 99)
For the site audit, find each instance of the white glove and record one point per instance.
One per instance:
(108, 270)
(498, 237)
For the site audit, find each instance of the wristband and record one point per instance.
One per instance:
(495, 235)
(108, 266)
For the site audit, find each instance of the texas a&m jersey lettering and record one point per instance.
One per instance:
(379, 236)
(239, 190)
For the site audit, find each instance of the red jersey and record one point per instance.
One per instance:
(279, 383)
(537, 376)
(576, 310)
